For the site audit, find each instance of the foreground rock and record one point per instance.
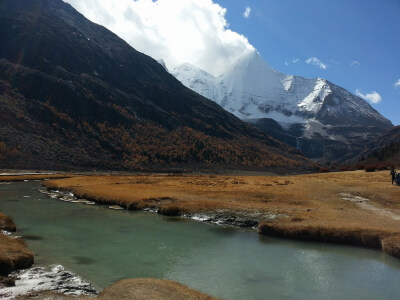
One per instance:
(148, 288)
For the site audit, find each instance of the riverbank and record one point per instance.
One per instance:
(138, 289)
(356, 208)
(14, 253)
(15, 177)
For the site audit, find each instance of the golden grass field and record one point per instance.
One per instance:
(320, 207)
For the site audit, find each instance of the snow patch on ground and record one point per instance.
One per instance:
(54, 278)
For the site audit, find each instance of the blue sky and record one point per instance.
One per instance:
(358, 42)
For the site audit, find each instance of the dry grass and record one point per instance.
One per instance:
(6, 223)
(305, 203)
(31, 177)
(14, 255)
(148, 288)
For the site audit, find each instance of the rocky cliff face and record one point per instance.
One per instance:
(74, 94)
(319, 118)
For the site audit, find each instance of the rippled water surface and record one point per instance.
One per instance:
(104, 245)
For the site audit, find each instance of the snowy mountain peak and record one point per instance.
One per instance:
(251, 89)
(329, 118)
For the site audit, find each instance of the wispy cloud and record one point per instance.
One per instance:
(372, 97)
(316, 62)
(397, 83)
(293, 61)
(354, 63)
(247, 12)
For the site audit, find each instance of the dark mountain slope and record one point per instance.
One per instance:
(384, 150)
(74, 94)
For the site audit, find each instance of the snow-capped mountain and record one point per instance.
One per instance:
(304, 110)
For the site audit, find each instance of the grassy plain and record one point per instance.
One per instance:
(355, 207)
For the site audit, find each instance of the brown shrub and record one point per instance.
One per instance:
(324, 170)
(6, 223)
(370, 168)
(170, 210)
(346, 168)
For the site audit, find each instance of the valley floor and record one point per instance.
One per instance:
(356, 207)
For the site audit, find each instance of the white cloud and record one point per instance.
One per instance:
(176, 31)
(293, 61)
(247, 12)
(372, 97)
(397, 83)
(316, 62)
(354, 63)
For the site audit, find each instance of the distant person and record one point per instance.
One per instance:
(393, 173)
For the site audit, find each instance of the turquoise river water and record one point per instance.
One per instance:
(104, 246)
